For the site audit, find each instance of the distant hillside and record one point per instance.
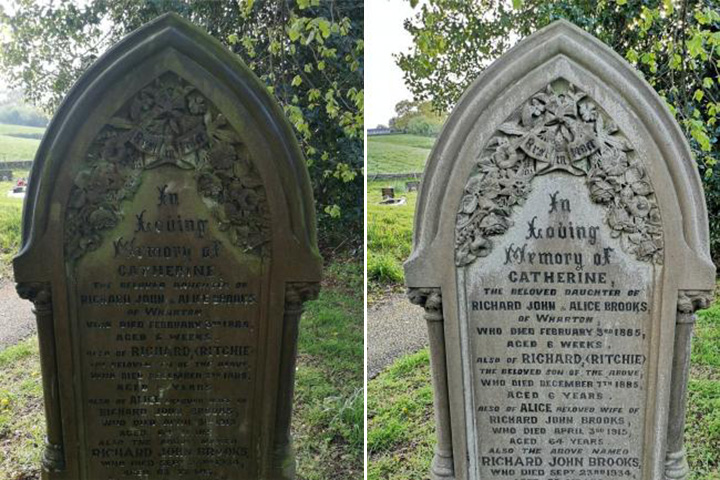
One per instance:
(18, 142)
(397, 153)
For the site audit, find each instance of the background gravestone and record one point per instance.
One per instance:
(168, 247)
(560, 250)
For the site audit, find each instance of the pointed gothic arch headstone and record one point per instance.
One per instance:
(560, 250)
(168, 246)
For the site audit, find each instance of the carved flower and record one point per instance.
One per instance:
(209, 185)
(222, 156)
(516, 184)
(196, 104)
(588, 112)
(481, 247)
(614, 162)
(506, 158)
(493, 224)
(639, 206)
(536, 107)
(248, 199)
(620, 220)
(649, 249)
(102, 218)
(601, 191)
(233, 213)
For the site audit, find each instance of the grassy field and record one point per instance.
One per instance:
(389, 234)
(328, 420)
(10, 217)
(397, 153)
(401, 423)
(13, 148)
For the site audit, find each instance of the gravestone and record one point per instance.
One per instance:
(168, 247)
(560, 250)
(387, 193)
(413, 186)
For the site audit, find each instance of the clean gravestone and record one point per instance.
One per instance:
(560, 250)
(168, 247)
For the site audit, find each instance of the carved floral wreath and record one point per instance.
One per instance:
(168, 122)
(559, 130)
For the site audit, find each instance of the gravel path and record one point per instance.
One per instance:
(16, 318)
(395, 327)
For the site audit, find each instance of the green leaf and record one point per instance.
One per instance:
(296, 81)
(324, 27)
(621, 2)
(333, 211)
(695, 45)
(632, 55)
(698, 96)
(517, 4)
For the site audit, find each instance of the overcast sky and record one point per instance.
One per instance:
(384, 35)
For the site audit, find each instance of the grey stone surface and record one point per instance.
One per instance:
(16, 318)
(394, 328)
(559, 130)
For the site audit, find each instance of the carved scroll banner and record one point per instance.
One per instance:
(169, 246)
(569, 270)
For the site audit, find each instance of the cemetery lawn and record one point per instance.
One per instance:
(401, 425)
(328, 417)
(10, 221)
(397, 153)
(18, 142)
(389, 238)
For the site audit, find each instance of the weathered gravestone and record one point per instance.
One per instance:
(168, 247)
(560, 250)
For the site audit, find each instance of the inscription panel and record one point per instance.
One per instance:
(557, 320)
(168, 321)
(558, 240)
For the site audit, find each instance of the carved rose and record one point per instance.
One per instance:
(639, 206)
(209, 185)
(103, 218)
(493, 224)
(481, 247)
(222, 156)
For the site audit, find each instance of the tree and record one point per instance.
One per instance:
(675, 44)
(309, 54)
(417, 118)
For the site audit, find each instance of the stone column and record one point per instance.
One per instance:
(431, 300)
(296, 294)
(40, 294)
(676, 466)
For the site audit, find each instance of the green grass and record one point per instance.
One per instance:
(401, 425)
(10, 220)
(389, 233)
(16, 148)
(328, 418)
(22, 423)
(397, 153)
(401, 428)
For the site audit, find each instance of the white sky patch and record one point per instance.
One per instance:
(384, 35)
